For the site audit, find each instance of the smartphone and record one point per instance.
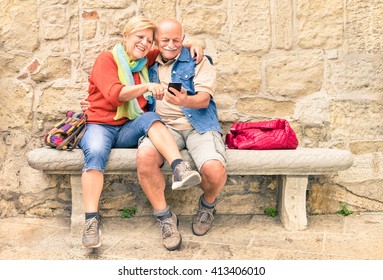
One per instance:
(176, 86)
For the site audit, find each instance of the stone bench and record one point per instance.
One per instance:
(292, 168)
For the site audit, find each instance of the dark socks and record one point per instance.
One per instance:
(175, 163)
(163, 214)
(91, 215)
(207, 204)
(163, 217)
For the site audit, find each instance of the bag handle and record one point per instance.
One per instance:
(80, 131)
(78, 138)
(76, 135)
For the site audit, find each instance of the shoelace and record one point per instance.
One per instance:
(185, 166)
(204, 214)
(166, 227)
(91, 228)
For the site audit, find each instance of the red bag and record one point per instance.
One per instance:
(263, 135)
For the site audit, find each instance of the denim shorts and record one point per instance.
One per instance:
(201, 147)
(99, 139)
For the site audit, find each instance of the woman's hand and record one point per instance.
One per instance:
(196, 53)
(84, 105)
(157, 90)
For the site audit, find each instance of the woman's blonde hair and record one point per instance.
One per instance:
(139, 23)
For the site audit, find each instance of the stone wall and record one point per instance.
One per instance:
(318, 64)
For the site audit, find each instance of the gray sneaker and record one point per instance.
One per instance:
(91, 234)
(171, 237)
(184, 177)
(203, 220)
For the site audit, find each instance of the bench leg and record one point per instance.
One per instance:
(292, 201)
(77, 216)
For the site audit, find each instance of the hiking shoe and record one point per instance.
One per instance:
(184, 177)
(171, 237)
(203, 220)
(91, 233)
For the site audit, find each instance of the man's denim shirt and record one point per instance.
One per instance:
(204, 119)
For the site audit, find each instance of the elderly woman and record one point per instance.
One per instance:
(120, 113)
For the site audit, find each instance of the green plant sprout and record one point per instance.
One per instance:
(128, 212)
(271, 212)
(344, 210)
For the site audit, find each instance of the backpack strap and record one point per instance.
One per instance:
(72, 140)
(75, 137)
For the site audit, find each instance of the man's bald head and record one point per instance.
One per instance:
(170, 23)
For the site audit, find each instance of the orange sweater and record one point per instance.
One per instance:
(104, 88)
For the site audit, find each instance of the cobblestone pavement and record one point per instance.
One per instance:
(233, 237)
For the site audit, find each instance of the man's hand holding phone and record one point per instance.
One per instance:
(177, 95)
(174, 85)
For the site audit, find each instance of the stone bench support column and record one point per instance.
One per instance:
(292, 201)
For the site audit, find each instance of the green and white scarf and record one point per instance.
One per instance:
(130, 109)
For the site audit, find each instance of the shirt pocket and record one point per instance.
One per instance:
(185, 76)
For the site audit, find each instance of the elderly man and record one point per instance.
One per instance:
(191, 116)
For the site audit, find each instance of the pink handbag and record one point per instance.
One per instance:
(262, 135)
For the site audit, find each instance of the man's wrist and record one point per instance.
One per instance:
(186, 102)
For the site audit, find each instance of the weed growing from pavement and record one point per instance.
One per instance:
(128, 212)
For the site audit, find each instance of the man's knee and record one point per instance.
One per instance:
(148, 157)
(213, 170)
